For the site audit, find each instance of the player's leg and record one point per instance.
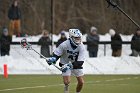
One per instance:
(80, 80)
(79, 84)
(66, 79)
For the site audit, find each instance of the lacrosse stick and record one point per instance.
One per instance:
(25, 44)
(114, 5)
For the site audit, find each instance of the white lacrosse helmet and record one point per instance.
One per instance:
(75, 36)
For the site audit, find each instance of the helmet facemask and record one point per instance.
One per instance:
(76, 40)
(75, 36)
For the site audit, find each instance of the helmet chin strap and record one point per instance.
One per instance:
(74, 43)
(77, 41)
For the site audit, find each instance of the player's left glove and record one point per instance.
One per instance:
(66, 67)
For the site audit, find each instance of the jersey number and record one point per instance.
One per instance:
(74, 58)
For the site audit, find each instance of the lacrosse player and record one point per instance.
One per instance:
(72, 55)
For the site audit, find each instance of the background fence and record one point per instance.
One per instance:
(104, 44)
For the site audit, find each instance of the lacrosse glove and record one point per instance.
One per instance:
(51, 60)
(66, 67)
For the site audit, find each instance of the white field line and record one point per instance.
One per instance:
(89, 82)
(122, 84)
(120, 79)
(22, 88)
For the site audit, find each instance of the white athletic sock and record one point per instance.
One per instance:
(77, 92)
(66, 89)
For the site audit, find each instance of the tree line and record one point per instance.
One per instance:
(82, 14)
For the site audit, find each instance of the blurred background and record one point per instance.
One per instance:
(111, 40)
(58, 15)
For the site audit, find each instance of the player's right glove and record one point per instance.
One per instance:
(66, 67)
(51, 60)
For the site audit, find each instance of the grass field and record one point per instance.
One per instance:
(53, 84)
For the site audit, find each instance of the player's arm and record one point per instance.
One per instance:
(56, 55)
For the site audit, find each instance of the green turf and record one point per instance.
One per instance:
(54, 84)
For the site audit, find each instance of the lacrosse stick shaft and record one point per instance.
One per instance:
(128, 16)
(114, 5)
(46, 59)
(57, 67)
(28, 46)
(39, 54)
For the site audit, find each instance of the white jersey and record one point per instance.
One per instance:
(68, 54)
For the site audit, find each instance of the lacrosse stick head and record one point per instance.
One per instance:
(25, 44)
